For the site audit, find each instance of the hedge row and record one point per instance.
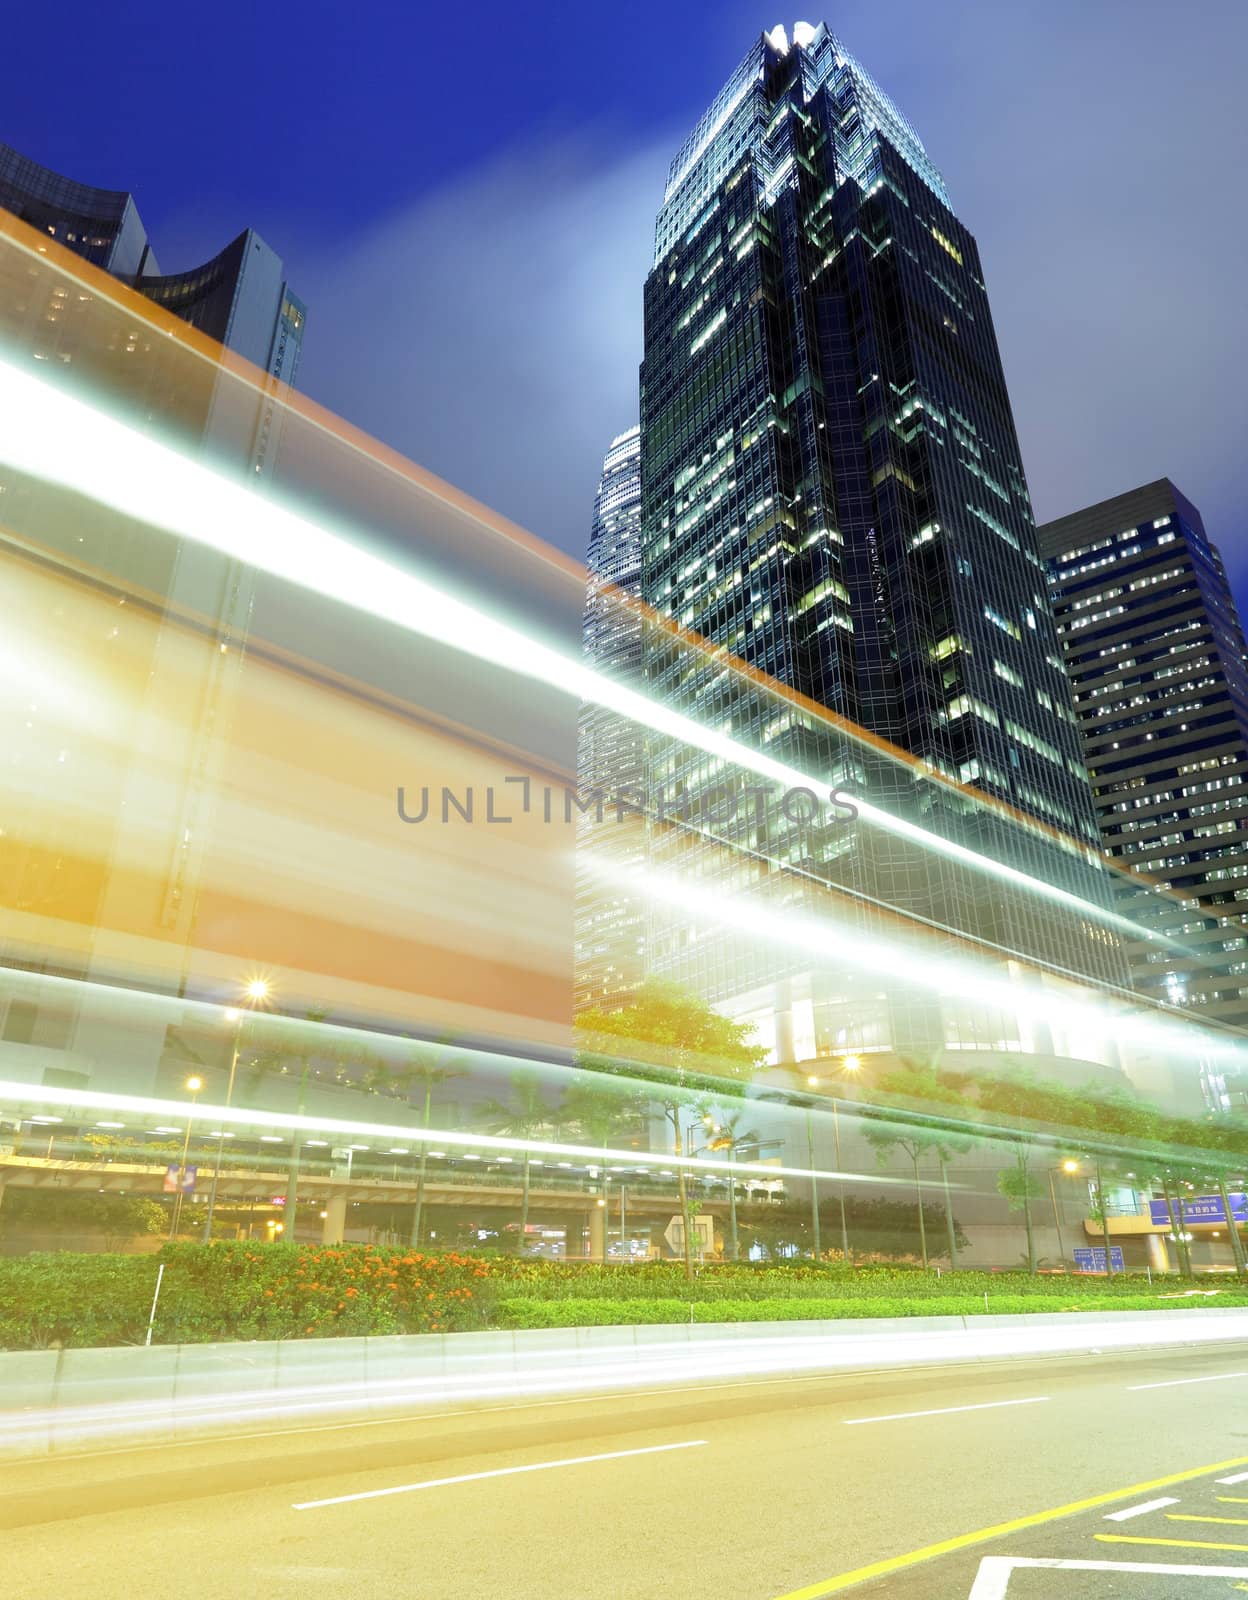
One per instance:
(233, 1291)
(589, 1313)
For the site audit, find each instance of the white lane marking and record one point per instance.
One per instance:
(1238, 1477)
(1138, 1511)
(993, 1577)
(1174, 1383)
(498, 1472)
(945, 1411)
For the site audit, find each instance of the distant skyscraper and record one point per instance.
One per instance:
(1157, 662)
(240, 298)
(832, 490)
(610, 748)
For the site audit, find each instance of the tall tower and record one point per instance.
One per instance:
(240, 297)
(832, 491)
(610, 749)
(1159, 670)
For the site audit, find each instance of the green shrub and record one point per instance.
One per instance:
(581, 1313)
(239, 1291)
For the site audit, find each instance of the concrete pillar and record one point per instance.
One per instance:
(334, 1222)
(574, 1236)
(598, 1234)
(1158, 1255)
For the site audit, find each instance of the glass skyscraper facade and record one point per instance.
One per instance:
(1157, 662)
(833, 494)
(610, 748)
(240, 298)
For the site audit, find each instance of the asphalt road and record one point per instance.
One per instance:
(886, 1485)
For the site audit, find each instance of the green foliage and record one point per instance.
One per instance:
(117, 1216)
(580, 1313)
(240, 1291)
(66, 1299)
(667, 1035)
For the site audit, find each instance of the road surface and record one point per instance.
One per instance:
(961, 1483)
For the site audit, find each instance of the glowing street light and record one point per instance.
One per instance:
(256, 991)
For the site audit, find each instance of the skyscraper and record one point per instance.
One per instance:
(240, 297)
(610, 748)
(1157, 662)
(832, 491)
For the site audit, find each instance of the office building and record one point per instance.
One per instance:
(610, 748)
(1156, 659)
(832, 492)
(240, 297)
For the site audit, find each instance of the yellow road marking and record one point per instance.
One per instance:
(1175, 1516)
(1231, 1499)
(963, 1541)
(1174, 1544)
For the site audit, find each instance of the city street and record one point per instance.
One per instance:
(1038, 1479)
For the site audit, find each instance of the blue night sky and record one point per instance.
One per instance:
(467, 207)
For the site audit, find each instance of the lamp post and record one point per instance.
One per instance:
(194, 1085)
(1068, 1166)
(849, 1065)
(254, 993)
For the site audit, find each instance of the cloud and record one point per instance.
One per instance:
(492, 331)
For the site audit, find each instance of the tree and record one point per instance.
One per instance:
(915, 1140)
(1020, 1186)
(729, 1135)
(668, 1037)
(429, 1075)
(919, 1081)
(525, 1116)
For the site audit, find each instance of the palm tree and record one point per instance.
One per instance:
(602, 1110)
(523, 1117)
(669, 1037)
(729, 1134)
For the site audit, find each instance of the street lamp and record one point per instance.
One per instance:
(1069, 1167)
(194, 1086)
(256, 992)
(848, 1066)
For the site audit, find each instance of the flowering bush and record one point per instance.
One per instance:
(250, 1291)
(237, 1291)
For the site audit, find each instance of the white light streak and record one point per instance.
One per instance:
(64, 441)
(19, 1094)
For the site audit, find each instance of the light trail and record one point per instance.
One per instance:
(68, 443)
(858, 949)
(322, 1379)
(18, 1095)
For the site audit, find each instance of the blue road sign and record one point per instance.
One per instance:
(1094, 1260)
(1200, 1208)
